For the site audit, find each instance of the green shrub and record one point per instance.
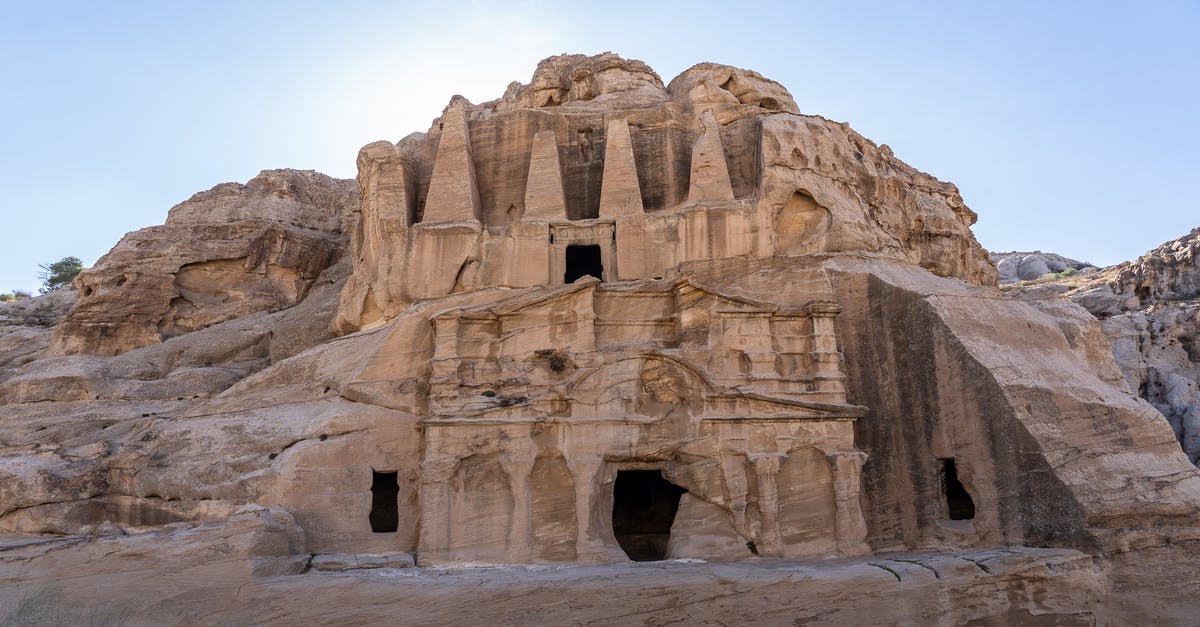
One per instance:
(7, 298)
(60, 273)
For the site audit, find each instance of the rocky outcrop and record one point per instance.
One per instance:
(1159, 351)
(69, 421)
(963, 360)
(208, 581)
(598, 319)
(1169, 273)
(1017, 266)
(1150, 311)
(26, 325)
(713, 84)
(227, 252)
(448, 211)
(575, 78)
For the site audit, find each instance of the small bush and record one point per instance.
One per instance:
(60, 273)
(1064, 274)
(7, 298)
(21, 295)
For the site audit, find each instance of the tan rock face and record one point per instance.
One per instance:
(544, 197)
(713, 84)
(225, 253)
(718, 165)
(596, 320)
(577, 78)
(710, 174)
(1169, 272)
(26, 325)
(1149, 310)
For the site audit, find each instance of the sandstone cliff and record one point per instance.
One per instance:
(227, 252)
(802, 184)
(1150, 311)
(787, 340)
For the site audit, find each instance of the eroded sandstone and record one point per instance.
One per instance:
(1149, 309)
(227, 252)
(596, 320)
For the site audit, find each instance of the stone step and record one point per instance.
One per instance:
(357, 561)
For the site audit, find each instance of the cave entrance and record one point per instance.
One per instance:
(385, 510)
(644, 507)
(959, 503)
(583, 260)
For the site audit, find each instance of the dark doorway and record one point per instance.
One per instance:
(385, 512)
(958, 501)
(583, 260)
(644, 507)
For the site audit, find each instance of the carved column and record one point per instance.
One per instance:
(433, 547)
(850, 528)
(825, 349)
(733, 470)
(766, 468)
(443, 379)
(519, 537)
(586, 474)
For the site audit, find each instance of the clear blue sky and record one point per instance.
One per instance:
(1071, 127)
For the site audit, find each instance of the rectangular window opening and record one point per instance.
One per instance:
(385, 508)
(583, 260)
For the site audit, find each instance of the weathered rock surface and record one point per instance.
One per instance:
(1170, 272)
(575, 78)
(1014, 586)
(1017, 266)
(1150, 311)
(598, 319)
(26, 325)
(628, 149)
(227, 252)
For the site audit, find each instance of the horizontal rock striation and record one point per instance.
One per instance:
(227, 252)
(601, 319)
(1149, 309)
(718, 164)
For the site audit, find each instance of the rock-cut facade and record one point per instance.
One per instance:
(577, 213)
(599, 319)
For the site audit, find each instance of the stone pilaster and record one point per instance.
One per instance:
(589, 543)
(519, 538)
(825, 352)
(766, 468)
(433, 545)
(850, 528)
